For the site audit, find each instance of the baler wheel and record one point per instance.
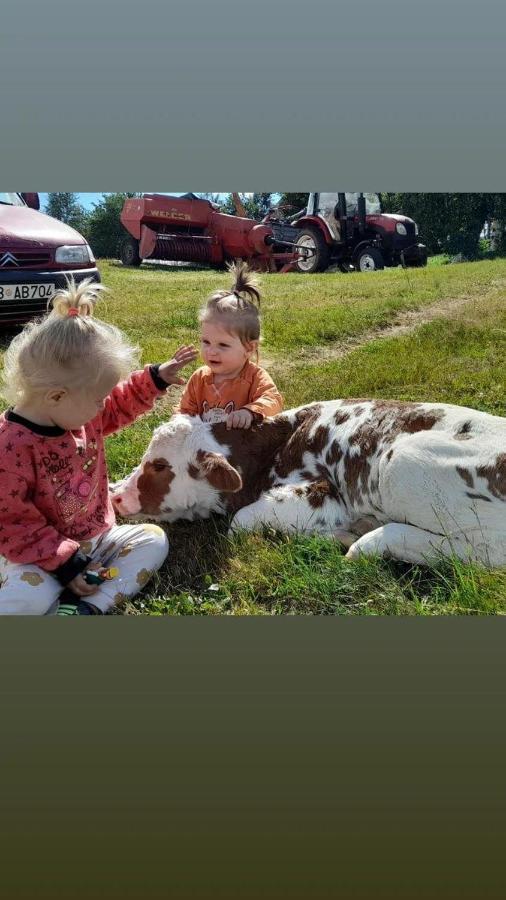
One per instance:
(129, 252)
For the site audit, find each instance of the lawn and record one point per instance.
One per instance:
(330, 335)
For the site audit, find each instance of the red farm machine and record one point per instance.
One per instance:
(348, 230)
(190, 229)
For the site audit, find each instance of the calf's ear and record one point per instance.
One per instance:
(218, 472)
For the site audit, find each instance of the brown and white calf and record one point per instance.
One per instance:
(432, 477)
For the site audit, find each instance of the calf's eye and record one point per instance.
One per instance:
(159, 466)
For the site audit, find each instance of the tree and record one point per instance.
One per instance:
(104, 230)
(64, 206)
(450, 223)
(290, 204)
(256, 205)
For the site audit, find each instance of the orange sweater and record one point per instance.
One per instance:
(252, 389)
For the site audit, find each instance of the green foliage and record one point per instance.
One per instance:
(104, 230)
(65, 208)
(292, 203)
(256, 206)
(449, 223)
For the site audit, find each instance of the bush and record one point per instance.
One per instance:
(104, 230)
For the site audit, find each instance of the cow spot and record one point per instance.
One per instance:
(154, 484)
(334, 454)
(423, 421)
(387, 420)
(462, 433)
(341, 417)
(495, 476)
(252, 453)
(292, 454)
(319, 491)
(357, 468)
(466, 476)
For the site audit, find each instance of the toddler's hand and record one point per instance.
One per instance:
(81, 587)
(168, 370)
(241, 418)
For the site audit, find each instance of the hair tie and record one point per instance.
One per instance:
(73, 311)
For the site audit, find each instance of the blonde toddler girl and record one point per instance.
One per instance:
(63, 376)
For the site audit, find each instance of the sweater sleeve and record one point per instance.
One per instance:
(130, 399)
(25, 534)
(265, 399)
(189, 404)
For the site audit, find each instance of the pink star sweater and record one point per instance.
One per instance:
(53, 483)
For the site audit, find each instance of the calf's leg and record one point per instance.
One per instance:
(414, 545)
(286, 508)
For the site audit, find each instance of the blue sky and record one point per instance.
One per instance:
(87, 200)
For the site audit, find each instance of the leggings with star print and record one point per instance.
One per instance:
(137, 551)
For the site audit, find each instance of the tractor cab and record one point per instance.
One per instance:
(342, 213)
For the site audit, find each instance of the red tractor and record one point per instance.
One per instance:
(190, 229)
(350, 230)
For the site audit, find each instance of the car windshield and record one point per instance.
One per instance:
(11, 200)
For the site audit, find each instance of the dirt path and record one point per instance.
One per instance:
(405, 322)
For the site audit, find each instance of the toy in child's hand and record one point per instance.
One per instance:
(98, 577)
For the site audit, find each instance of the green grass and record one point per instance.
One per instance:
(457, 359)
(158, 306)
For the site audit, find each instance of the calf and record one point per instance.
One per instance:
(420, 479)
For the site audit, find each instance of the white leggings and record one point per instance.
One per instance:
(136, 550)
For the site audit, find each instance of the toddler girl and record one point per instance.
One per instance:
(230, 387)
(57, 523)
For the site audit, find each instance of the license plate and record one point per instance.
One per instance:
(26, 291)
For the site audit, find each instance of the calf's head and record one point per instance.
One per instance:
(181, 475)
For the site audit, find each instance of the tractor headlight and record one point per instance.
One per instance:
(401, 229)
(68, 254)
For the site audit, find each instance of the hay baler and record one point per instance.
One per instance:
(190, 229)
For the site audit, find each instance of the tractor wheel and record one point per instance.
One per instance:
(369, 259)
(129, 252)
(312, 239)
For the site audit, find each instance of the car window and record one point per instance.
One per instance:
(11, 199)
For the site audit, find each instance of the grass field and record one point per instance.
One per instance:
(434, 334)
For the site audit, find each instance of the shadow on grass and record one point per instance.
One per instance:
(199, 552)
(173, 268)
